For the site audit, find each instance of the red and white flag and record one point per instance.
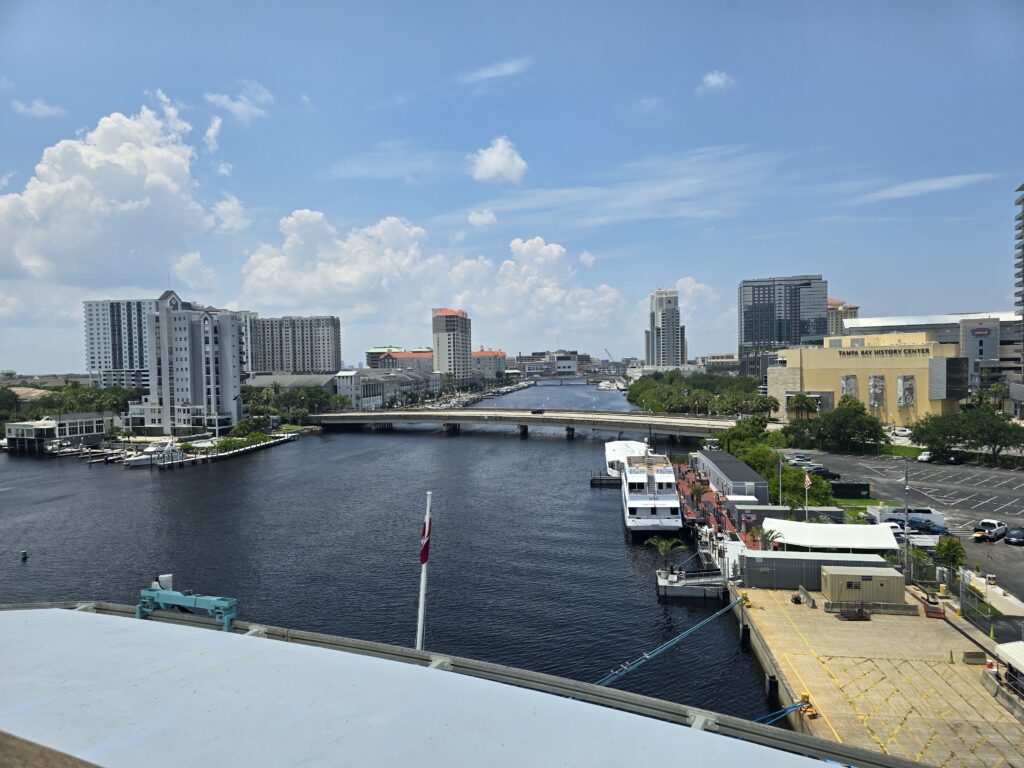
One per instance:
(807, 480)
(425, 539)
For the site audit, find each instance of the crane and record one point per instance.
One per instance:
(610, 358)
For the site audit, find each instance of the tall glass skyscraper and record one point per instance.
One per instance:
(665, 338)
(779, 312)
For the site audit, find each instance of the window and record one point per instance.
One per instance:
(853, 585)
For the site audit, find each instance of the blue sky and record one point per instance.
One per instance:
(543, 166)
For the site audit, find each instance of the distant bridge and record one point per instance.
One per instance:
(671, 425)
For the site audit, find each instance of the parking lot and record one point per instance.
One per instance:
(964, 494)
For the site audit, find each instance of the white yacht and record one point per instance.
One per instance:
(650, 498)
(616, 451)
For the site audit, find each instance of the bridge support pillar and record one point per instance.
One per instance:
(570, 432)
(524, 429)
(453, 428)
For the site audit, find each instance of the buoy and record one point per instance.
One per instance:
(24, 555)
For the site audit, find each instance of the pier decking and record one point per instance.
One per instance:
(896, 684)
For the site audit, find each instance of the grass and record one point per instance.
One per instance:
(900, 450)
(290, 428)
(853, 507)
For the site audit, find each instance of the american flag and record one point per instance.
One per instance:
(807, 480)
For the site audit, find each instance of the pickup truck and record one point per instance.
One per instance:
(989, 530)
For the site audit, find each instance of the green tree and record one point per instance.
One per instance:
(665, 546)
(939, 434)
(850, 425)
(950, 552)
(802, 405)
(9, 401)
(339, 403)
(985, 428)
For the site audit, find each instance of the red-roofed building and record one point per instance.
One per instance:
(408, 361)
(489, 363)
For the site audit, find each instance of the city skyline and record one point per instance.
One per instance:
(511, 171)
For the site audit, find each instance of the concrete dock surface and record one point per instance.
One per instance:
(886, 684)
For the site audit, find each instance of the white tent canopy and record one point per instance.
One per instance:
(824, 536)
(1011, 653)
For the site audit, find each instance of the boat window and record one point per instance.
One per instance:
(654, 511)
(673, 510)
(632, 511)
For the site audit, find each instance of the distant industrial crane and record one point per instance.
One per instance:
(610, 358)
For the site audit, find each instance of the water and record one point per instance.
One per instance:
(529, 565)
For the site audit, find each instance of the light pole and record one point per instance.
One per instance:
(906, 513)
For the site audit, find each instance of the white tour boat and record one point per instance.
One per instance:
(616, 451)
(163, 452)
(650, 497)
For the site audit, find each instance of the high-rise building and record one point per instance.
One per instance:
(779, 312)
(838, 310)
(293, 344)
(1016, 379)
(116, 345)
(453, 343)
(665, 338)
(194, 369)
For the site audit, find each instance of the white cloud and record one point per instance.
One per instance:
(923, 187)
(306, 100)
(497, 70)
(716, 81)
(230, 214)
(116, 200)
(692, 294)
(250, 103)
(5, 180)
(587, 259)
(6, 84)
(482, 218)
(224, 169)
(38, 108)
(210, 137)
(457, 236)
(194, 273)
(498, 162)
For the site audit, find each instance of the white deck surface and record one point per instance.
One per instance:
(121, 692)
(828, 536)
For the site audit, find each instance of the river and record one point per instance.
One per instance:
(529, 566)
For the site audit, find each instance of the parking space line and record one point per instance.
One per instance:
(965, 478)
(1021, 485)
(1004, 482)
(986, 501)
(965, 498)
(1012, 501)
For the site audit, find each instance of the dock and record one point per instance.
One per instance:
(906, 686)
(703, 584)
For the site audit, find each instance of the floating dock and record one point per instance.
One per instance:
(901, 685)
(703, 585)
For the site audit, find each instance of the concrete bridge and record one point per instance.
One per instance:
(671, 425)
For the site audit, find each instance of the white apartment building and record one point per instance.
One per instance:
(489, 363)
(116, 344)
(373, 388)
(453, 343)
(292, 344)
(194, 370)
(665, 338)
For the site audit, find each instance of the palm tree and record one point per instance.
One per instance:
(665, 546)
(767, 536)
(697, 491)
(803, 404)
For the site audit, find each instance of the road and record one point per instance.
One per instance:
(964, 494)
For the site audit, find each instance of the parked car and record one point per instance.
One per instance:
(798, 456)
(902, 431)
(924, 456)
(954, 459)
(824, 473)
(1015, 536)
(800, 462)
(537, 411)
(927, 526)
(989, 530)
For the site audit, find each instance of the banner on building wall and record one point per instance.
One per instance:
(876, 391)
(905, 391)
(848, 386)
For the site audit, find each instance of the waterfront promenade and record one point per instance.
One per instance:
(662, 424)
(887, 684)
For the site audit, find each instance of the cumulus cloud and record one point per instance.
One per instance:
(116, 199)
(482, 218)
(587, 259)
(716, 81)
(498, 70)
(224, 169)
(38, 108)
(210, 137)
(230, 214)
(498, 162)
(5, 180)
(247, 105)
(194, 273)
(692, 294)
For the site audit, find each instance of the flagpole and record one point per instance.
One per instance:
(807, 486)
(421, 615)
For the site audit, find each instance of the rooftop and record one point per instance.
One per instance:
(829, 536)
(445, 311)
(489, 353)
(289, 380)
(118, 691)
(736, 470)
(410, 355)
(895, 321)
